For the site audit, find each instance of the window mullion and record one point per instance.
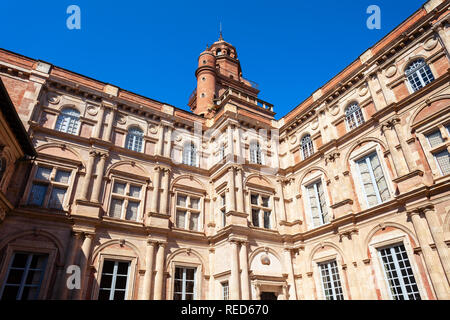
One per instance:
(372, 176)
(330, 274)
(24, 276)
(183, 285)
(113, 282)
(420, 77)
(316, 191)
(399, 273)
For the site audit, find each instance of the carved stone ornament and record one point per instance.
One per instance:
(315, 124)
(265, 260)
(178, 138)
(293, 139)
(121, 119)
(362, 91)
(430, 44)
(153, 129)
(53, 98)
(334, 110)
(92, 110)
(391, 71)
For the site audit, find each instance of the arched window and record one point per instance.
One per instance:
(190, 154)
(68, 121)
(255, 152)
(354, 116)
(219, 52)
(307, 147)
(135, 138)
(419, 74)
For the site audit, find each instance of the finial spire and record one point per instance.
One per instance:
(220, 33)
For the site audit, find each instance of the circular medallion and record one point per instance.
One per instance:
(391, 71)
(53, 98)
(92, 110)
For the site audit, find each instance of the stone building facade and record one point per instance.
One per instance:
(345, 197)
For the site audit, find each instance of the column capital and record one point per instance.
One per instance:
(89, 235)
(152, 242)
(332, 157)
(92, 153)
(422, 210)
(389, 124)
(162, 244)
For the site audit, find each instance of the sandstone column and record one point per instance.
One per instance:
(165, 191)
(245, 284)
(212, 294)
(290, 271)
(441, 287)
(405, 148)
(148, 277)
(234, 278)
(98, 127)
(155, 194)
(230, 143)
(168, 149)
(399, 168)
(159, 278)
(84, 262)
(160, 143)
(75, 240)
(231, 199)
(437, 234)
(88, 176)
(112, 114)
(98, 181)
(281, 196)
(240, 193)
(441, 31)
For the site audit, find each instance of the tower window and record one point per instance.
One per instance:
(219, 52)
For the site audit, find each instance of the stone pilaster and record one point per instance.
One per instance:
(245, 284)
(435, 271)
(148, 277)
(234, 278)
(159, 278)
(98, 181)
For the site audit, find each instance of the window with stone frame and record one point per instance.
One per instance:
(438, 143)
(255, 153)
(184, 283)
(225, 290)
(261, 210)
(373, 179)
(317, 203)
(306, 147)
(418, 74)
(353, 116)
(398, 273)
(68, 121)
(331, 282)
(126, 199)
(114, 280)
(135, 139)
(187, 213)
(49, 187)
(190, 154)
(24, 276)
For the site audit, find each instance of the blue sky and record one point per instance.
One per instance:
(290, 48)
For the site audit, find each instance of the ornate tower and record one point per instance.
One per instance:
(218, 69)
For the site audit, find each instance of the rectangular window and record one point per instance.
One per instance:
(331, 282)
(398, 273)
(114, 281)
(24, 276)
(443, 161)
(125, 201)
(261, 211)
(47, 191)
(184, 283)
(187, 212)
(318, 204)
(373, 180)
(435, 138)
(225, 290)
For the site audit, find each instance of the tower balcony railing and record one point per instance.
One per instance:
(243, 96)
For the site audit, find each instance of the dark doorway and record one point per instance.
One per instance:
(268, 296)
